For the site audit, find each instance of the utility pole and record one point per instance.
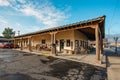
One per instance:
(18, 33)
(109, 37)
(116, 39)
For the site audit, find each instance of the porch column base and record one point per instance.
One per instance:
(98, 61)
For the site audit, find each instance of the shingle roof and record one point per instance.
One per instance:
(66, 26)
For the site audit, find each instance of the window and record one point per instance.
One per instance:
(76, 43)
(80, 43)
(43, 41)
(68, 43)
(83, 44)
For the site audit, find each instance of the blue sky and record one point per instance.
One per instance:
(33, 15)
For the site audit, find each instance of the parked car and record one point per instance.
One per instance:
(4, 45)
(8, 45)
(1, 45)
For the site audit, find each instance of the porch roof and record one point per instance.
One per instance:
(97, 20)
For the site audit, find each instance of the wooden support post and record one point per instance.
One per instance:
(101, 45)
(24, 43)
(97, 36)
(29, 43)
(54, 38)
(53, 41)
(21, 47)
(19, 43)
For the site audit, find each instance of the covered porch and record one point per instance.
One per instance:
(65, 39)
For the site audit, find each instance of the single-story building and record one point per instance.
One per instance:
(65, 38)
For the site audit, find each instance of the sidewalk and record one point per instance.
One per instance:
(86, 58)
(113, 70)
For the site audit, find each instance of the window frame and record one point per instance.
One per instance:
(68, 43)
(43, 41)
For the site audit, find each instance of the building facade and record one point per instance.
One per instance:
(65, 38)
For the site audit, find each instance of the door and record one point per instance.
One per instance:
(61, 45)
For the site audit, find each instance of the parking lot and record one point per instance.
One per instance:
(17, 65)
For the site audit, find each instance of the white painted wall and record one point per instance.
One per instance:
(36, 39)
(69, 34)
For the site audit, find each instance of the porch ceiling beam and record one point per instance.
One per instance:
(74, 28)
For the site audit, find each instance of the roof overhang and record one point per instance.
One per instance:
(77, 25)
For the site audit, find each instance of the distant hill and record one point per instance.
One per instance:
(111, 37)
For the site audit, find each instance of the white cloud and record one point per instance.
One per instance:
(24, 29)
(45, 12)
(3, 24)
(17, 27)
(4, 3)
(47, 16)
(2, 21)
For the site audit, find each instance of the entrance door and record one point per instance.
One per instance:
(61, 45)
